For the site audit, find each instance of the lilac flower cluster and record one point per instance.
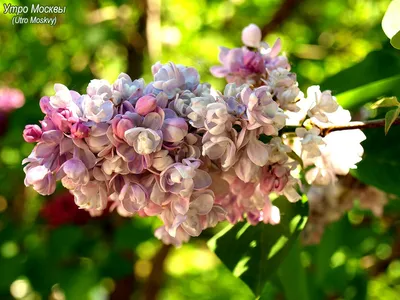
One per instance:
(334, 154)
(174, 149)
(329, 203)
(243, 65)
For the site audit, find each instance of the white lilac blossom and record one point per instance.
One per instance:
(193, 158)
(321, 103)
(310, 143)
(336, 153)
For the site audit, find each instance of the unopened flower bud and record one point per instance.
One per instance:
(145, 105)
(251, 36)
(62, 119)
(32, 133)
(122, 123)
(45, 105)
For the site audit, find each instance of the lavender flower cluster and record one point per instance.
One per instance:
(177, 150)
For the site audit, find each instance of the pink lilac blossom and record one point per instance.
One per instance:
(173, 149)
(11, 99)
(253, 62)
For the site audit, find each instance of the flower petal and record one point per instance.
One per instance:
(258, 152)
(201, 180)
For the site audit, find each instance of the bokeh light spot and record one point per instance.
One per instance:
(3, 204)
(9, 249)
(338, 259)
(10, 156)
(383, 251)
(109, 284)
(146, 250)
(143, 268)
(20, 288)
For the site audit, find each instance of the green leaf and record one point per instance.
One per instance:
(380, 164)
(293, 275)
(293, 155)
(395, 40)
(390, 117)
(64, 241)
(361, 95)
(386, 102)
(131, 233)
(77, 282)
(375, 66)
(380, 78)
(271, 289)
(254, 253)
(117, 265)
(330, 242)
(11, 268)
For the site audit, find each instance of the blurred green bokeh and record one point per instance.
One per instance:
(113, 256)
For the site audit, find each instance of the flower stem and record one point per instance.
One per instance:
(348, 126)
(357, 125)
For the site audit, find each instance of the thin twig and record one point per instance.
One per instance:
(357, 125)
(280, 15)
(155, 280)
(349, 126)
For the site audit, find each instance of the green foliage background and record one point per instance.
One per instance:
(110, 257)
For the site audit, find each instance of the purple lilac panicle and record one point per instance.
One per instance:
(175, 150)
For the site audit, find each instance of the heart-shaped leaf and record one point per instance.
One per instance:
(386, 102)
(254, 253)
(390, 117)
